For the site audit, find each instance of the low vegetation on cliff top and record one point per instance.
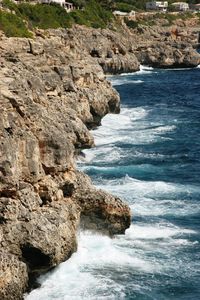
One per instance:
(20, 20)
(13, 25)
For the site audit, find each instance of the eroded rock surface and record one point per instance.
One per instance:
(167, 47)
(51, 93)
(123, 50)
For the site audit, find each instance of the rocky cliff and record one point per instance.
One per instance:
(167, 47)
(52, 91)
(123, 50)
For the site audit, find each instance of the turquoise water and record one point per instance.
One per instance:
(149, 155)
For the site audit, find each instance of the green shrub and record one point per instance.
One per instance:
(125, 7)
(97, 15)
(53, 16)
(13, 25)
(136, 4)
(131, 23)
(79, 18)
(41, 15)
(93, 15)
(10, 5)
(187, 15)
(79, 3)
(45, 16)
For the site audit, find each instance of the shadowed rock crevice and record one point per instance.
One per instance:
(7, 193)
(34, 257)
(68, 189)
(45, 198)
(112, 107)
(96, 119)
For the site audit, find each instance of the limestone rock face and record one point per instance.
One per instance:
(167, 47)
(100, 210)
(123, 51)
(13, 276)
(112, 50)
(162, 55)
(51, 93)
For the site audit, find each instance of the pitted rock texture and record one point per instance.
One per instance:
(13, 276)
(163, 55)
(167, 47)
(101, 211)
(112, 50)
(51, 93)
(123, 50)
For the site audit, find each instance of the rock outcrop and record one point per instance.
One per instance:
(124, 50)
(51, 93)
(112, 50)
(169, 47)
(163, 55)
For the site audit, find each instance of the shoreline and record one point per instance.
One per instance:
(158, 235)
(149, 68)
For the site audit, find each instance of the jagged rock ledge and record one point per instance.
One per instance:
(124, 50)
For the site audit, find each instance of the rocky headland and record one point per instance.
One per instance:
(53, 90)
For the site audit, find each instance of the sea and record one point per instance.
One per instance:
(149, 155)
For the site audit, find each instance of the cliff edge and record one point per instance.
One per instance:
(51, 93)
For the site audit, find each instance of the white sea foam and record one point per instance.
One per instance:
(115, 127)
(157, 231)
(142, 187)
(178, 69)
(107, 134)
(151, 207)
(147, 68)
(164, 128)
(107, 154)
(90, 273)
(116, 81)
(154, 198)
(136, 113)
(117, 121)
(81, 278)
(143, 70)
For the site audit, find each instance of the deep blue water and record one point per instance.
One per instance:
(149, 155)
